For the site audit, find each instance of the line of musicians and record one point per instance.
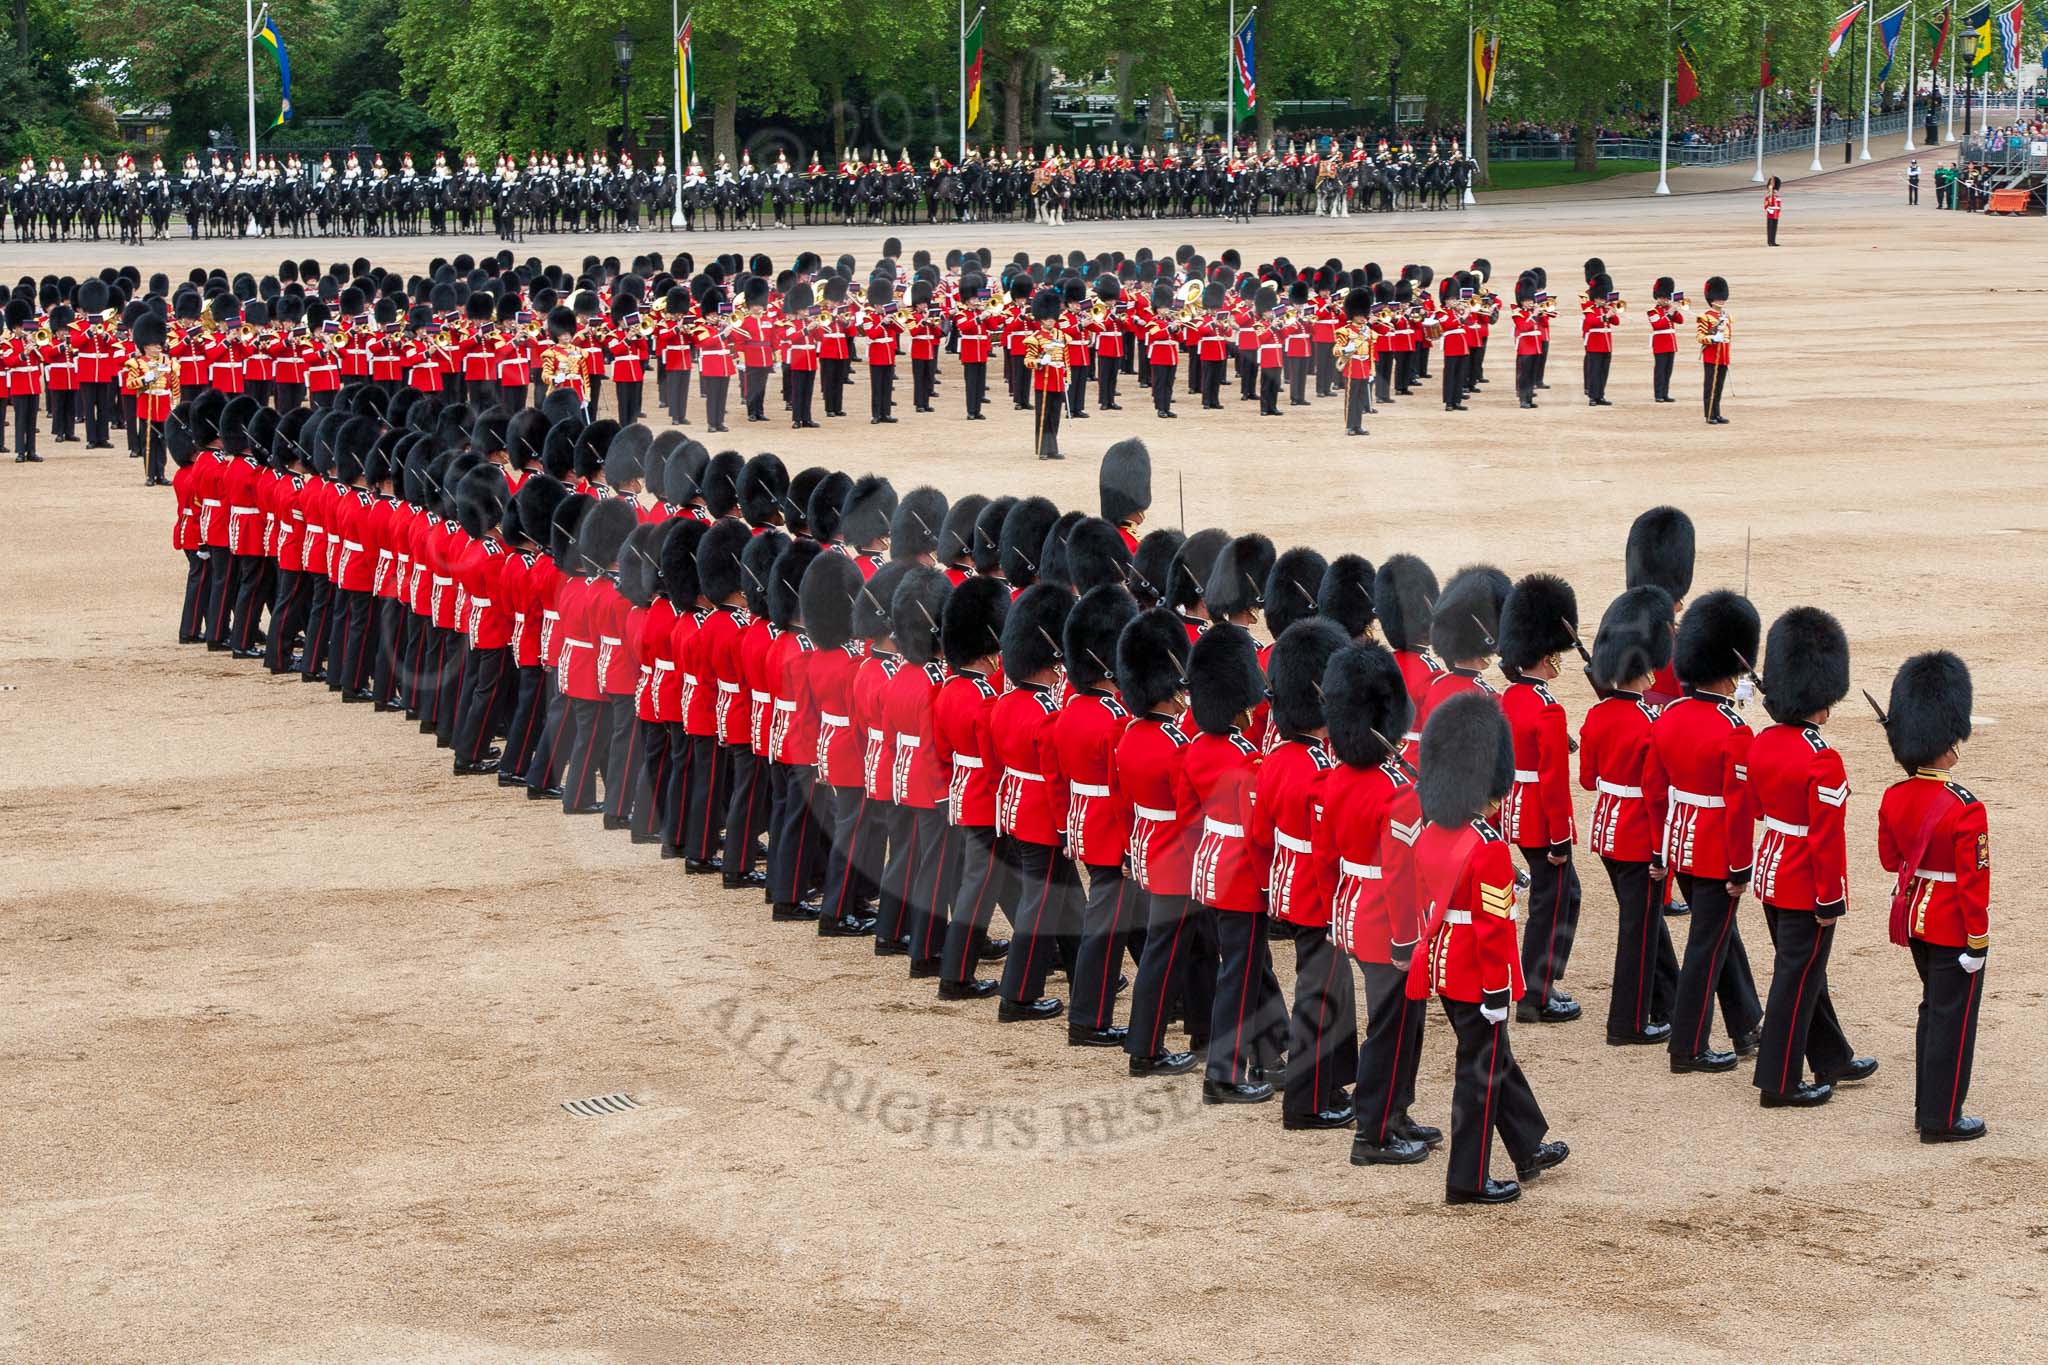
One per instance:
(889, 717)
(507, 334)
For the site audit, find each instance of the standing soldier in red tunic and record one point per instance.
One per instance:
(1716, 331)
(1802, 865)
(1933, 835)
(1773, 207)
(1124, 489)
(1045, 361)
(1465, 881)
(1097, 828)
(1665, 315)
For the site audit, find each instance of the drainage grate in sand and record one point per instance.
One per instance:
(602, 1105)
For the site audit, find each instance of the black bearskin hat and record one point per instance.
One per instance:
(1032, 631)
(1717, 638)
(679, 562)
(763, 489)
(1466, 623)
(536, 502)
(825, 598)
(1345, 594)
(822, 510)
(604, 531)
(956, 532)
(1660, 551)
(591, 446)
(1294, 671)
(1095, 555)
(916, 611)
(1806, 665)
(797, 507)
(972, 625)
(640, 565)
(785, 577)
(563, 530)
(1291, 588)
(1052, 556)
(1468, 759)
(720, 483)
(558, 450)
(625, 460)
(234, 423)
(1022, 544)
(915, 526)
(1717, 290)
(1093, 629)
(1125, 482)
(986, 548)
(1224, 680)
(1540, 618)
(1187, 576)
(718, 558)
(864, 516)
(871, 619)
(1930, 708)
(1404, 593)
(1152, 565)
(1634, 638)
(1151, 659)
(1366, 704)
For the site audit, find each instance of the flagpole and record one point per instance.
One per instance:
(675, 123)
(1949, 102)
(1819, 85)
(960, 70)
(1230, 86)
(1912, 74)
(1471, 56)
(1868, 25)
(1664, 126)
(251, 228)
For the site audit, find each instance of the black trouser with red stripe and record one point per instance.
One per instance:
(1107, 915)
(796, 843)
(622, 761)
(388, 618)
(451, 684)
(976, 376)
(1162, 388)
(1715, 965)
(1491, 1094)
(854, 833)
(896, 883)
(220, 588)
(1645, 967)
(319, 606)
(914, 885)
(1248, 1023)
(491, 692)
(1107, 368)
(1553, 911)
(703, 808)
(287, 617)
(1322, 1050)
(1945, 1035)
(544, 770)
(1048, 887)
(746, 807)
(192, 616)
(649, 779)
(1800, 1026)
(529, 718)
(985, 877)
(357, 643)
(1388, 1056)
(1176, 973)
(1661, 363)
(587, 751)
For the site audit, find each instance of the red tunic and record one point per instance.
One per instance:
(1365, 842)
(909, 723)
(1098, 816)
(963, 748)
(1614, 750)
(1466, 881)
(1696, 784)
(830, 684)
(1933, 835)
(1032, 789)
(1285, 815)
(1537, 814)
(793, 729)
(1800, 791)
(877, 750)
(1230, 867)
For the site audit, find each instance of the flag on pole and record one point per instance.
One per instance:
(1888, 30)
(268, 36)
(2009, 24)
(1485, 61)
(686, 78)
(1244, 73)
(1688, 73)
(974, 50)
(1766, 78)
(1978, 21)
(1937, 36)
(1841, 30)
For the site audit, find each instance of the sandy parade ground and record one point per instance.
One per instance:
(291, 1013)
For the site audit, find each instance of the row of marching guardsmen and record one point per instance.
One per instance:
(891, 716)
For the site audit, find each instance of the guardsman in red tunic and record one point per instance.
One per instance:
(1528, 324)
(827, 595)
(1664, 318)
(1109, 340)
(492, 683)
(1774, 206)
(795, 844)
(714, 697)
(1351, 349)
(1177, 969)
(882, 821)
(1247, 1026)
(626, 357)
(1123, 488)
(1404, 592)
(152, 377)
(1212, 337)
(1465, 633)
(918, 876)
(1632, 645)
(1286, 813)
(1044, 351)
(1365, 841)
(1933, 837)
(1801, 793)
(1465, 881)
(974, 333)
(1696, 784)
(1161, 338)
(1539, 621)
(1098, 818)
(1599, 318)
(534, 506)
(963, 748)
(1031, 800)
(21, 367)
(1716, 331)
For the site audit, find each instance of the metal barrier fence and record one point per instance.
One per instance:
(1833, 132)
(2011, 154)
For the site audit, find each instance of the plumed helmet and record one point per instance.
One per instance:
(1152, 565)
(1468, 759)
(1365, 704)
(917, 610)
(826, 598)
(718, 558)
(972, 625)
(1717, 638)
(1404, 592)
(915, 526)
(763, 489)
(625, 460)
(1466, 623)
(603, 533)
(871, 618)
(1345, 594)
(1540, 618)
(986, 548)
(757, 567)
(1634, 638)
(679, 562)
(1092, 631)
(1224, 680)
(864, 515)
(1930, 708)
(1032, 631)
(1023, 539)
(1151, 659)
(786, 577)
(1294, 672)
(1806, 665)
(1292, 588)
(956, 532)
(1125, 480)
(1660, 551)
(536, 502)
(822, 510)
(1237, 582)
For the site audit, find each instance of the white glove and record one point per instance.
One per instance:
(1496, 1016)
(1971, 963)
(1745, 692)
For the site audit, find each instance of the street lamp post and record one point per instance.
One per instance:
(622, 49)
(1969, 78)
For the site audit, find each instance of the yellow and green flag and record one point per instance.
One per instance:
(686, 79)
(972, 48)
(268, 36)
(1978, 21)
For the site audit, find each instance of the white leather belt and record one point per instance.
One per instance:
(1607, 788)
(759, 697)
(1023, 776)
(827, 718)
(1152, 813)
(1412, 737)
(252, 511)
(909, 741)
(1785, 828)
(783, 704)
(1228, 831)
(1364, 871)
(441, 582)
(313, 528)
(575, 644)
(547, 615)
(873, 733)
(476, 601)
(1292, 844)
(352, 545)
(602, 639)
(1685, 798)
(1527, 775)
(1087, 789)
(664, 665)
(966, 761)
(1926, 876)
(690, 678)
(725, 686)
(1457, 917)
(209, 502)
